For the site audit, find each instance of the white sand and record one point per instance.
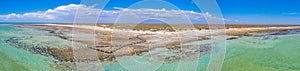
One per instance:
(188, 32)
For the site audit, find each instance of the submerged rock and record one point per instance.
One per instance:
(232, 37)
(188, 51)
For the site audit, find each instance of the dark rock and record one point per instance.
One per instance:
(231, 38)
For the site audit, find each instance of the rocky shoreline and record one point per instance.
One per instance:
(66, 53)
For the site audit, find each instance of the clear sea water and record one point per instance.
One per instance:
(253, 53)
(24, 22)
(15, 59)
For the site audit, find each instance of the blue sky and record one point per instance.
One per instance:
(236, 11)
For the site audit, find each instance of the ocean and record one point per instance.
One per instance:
(261, 52)
(25, 22)
(16, 59)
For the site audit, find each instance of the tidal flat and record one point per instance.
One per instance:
(55, 47)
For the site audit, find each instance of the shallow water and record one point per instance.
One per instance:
(265, 52)
(253, 53)
(14, 59)
(281, 52)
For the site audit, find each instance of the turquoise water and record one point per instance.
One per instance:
(253, 53)
(267, 53)
(249, 53)
(24, 22)
(14, 59)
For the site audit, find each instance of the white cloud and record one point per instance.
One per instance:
(67, 13)
(59, 14)
(292, 13)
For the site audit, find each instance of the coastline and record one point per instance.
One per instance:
(66, 53)
(169, 38)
